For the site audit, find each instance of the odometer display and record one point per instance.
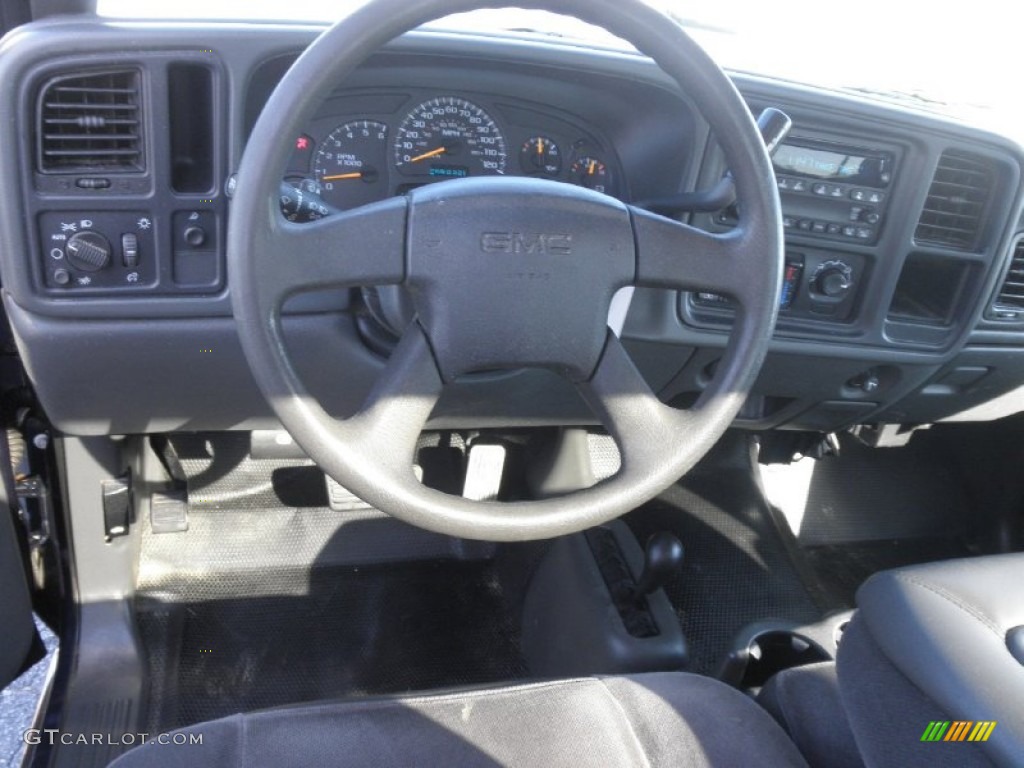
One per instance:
(449, 133)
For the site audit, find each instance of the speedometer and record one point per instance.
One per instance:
(448, 137)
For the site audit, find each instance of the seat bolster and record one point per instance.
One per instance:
(678, 717)
(805, 701)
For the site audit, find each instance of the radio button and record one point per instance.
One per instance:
(798, 185)
(876, 197)
(860, 195)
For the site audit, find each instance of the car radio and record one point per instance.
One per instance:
(831, 190)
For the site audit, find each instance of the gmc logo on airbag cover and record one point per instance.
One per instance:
(552, 244)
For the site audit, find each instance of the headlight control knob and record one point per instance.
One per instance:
(832, 279)
(88, 251)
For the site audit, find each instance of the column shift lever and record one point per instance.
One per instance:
(773, 125)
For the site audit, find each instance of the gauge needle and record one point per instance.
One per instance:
(540, 146)
(431, 153)
(591, 167)
(341, 176)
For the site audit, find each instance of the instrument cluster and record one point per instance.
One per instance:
(363, 158)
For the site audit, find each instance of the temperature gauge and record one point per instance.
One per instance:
(540, 155)
(591, 173)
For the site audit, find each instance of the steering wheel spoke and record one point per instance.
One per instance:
(364, 246)
(671, 254)
(644, 428)
(389, 423)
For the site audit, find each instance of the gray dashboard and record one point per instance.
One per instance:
(925, 326)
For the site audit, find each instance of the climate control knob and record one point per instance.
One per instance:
(88, 251)
(832, 279)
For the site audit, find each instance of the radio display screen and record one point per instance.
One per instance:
(834, 164)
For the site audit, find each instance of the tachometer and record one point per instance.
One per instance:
(351, 162)
(449, 137)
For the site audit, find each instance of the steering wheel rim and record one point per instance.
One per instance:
(448, 232)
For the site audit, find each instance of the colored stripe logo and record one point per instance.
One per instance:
(958, 730)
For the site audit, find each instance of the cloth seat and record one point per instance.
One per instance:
(657, 719)
(806, 703)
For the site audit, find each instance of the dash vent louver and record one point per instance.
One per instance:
(955, 210)
(1009, 303)
(91, 123)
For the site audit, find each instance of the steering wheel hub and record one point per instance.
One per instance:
(512, 272)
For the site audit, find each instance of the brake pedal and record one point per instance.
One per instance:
(483, 472)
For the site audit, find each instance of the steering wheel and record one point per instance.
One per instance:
(503, 273)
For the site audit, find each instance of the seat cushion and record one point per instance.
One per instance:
(658, 719)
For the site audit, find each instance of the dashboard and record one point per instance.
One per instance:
(903, 297)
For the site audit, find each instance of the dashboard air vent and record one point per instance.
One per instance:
(1009, 304)
(955, 209)
(90, 123)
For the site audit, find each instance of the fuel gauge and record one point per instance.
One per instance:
(591, 173)
(540, 155)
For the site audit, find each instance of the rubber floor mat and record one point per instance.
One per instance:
(289, 637)
(871, 494)
(841, 569)
(737, 569)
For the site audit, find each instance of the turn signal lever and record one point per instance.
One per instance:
(773, 124)
(662, 560)
(302, 204)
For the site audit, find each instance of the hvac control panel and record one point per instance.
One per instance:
(817, 285)
(130, 252)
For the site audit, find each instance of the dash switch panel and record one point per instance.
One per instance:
(93, 252)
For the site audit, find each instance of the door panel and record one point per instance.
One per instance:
(15, 607)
